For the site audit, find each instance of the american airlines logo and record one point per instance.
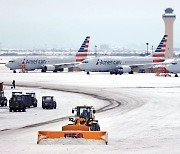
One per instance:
(37, 61)
(108, 62)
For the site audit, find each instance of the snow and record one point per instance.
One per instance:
(147, 121)
(70, 141)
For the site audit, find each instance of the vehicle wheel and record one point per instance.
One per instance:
(24, 109)
(35, 105)
(176, 75)
(131, 72)
(10, 109)
(88, 73)
(54, 106)
(14, 71)
(43, 70)
(95, 127)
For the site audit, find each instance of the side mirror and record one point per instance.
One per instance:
(72, 110)
(94, 111)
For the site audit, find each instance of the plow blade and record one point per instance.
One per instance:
(96, 135)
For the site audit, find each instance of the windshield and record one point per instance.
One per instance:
(47, 98)
(17, 98)
(11, 61)
(174, 63)
(84, 112)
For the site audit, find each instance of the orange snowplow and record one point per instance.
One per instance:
(84, 126)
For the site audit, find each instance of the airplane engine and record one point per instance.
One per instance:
(125, 69)
(48, 68)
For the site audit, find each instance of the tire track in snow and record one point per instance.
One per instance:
(111, 104)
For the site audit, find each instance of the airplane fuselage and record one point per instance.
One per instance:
(32, 63)
(103, 64)
(174, 67)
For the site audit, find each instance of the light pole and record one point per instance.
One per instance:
(95, 51)
(147, 48)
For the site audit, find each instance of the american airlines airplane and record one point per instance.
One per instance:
(50, 63)
(174, 67)
(120, 65)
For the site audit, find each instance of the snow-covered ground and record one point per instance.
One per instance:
(147, 121)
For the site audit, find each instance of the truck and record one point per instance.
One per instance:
(48, 102)
(30, 99)
(17, 103)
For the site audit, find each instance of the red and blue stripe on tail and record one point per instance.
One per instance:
(82, 52)
(160, 50)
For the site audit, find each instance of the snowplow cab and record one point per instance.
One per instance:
(84, 119)
(86, 112)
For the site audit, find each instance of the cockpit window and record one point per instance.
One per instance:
(11, 61)
(85, 61)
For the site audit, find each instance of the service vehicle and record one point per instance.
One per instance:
(84, 126)
(48, 102)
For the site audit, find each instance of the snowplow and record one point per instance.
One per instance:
(83, 126)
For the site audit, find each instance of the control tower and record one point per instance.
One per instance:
(169, 19)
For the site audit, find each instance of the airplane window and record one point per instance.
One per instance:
(174, 63)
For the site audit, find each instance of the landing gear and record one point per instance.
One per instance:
(176, 75)
(88, 73)
(131, 72)
(43, 70)
(14, 71)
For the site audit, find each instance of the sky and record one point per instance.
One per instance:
(30, 24)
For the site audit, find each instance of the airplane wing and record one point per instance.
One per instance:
(153, 64)
(65, 65)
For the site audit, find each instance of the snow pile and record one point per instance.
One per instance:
(72, 141)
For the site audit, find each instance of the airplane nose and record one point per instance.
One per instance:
(80, 66)
(7, 64)
(169, 68)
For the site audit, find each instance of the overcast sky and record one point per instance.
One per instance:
(65, 23)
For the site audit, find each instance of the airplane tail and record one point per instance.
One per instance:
(82, 52)
(160, 50)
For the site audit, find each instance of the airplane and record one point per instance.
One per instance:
(174, 67)
(120, 65)
(50, 63)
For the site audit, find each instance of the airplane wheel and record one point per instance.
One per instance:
(88, 73)
(14, 71)
(176, 75)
